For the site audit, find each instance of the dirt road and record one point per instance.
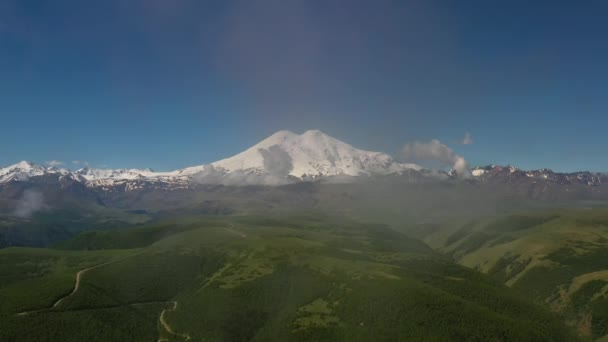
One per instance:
(166, 325)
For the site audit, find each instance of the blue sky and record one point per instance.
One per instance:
(168, 84)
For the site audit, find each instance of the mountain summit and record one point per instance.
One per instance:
(311, 154)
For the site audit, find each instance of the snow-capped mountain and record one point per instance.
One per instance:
(282, 156)
(309, 155)
(23, 170)
(511, 174)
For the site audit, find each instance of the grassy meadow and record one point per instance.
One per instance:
(557, 258)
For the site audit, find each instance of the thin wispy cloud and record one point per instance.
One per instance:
(80, 162)
(54, 163)
(468, 139)
(31, 201)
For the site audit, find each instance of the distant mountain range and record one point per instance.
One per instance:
(41, 205)
(283, 158)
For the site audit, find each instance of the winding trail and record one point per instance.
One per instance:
(78, 278)
(76, 285)
(167, 327)
(162, 320)
(239, 233)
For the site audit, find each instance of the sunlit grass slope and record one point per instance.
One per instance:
(557, 257)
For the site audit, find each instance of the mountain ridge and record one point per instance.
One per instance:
(286, 157)
(284, 154)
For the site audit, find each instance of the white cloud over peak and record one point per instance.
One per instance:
(437, 152)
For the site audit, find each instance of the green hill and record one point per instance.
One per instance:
(558, 258)
(293, 278)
